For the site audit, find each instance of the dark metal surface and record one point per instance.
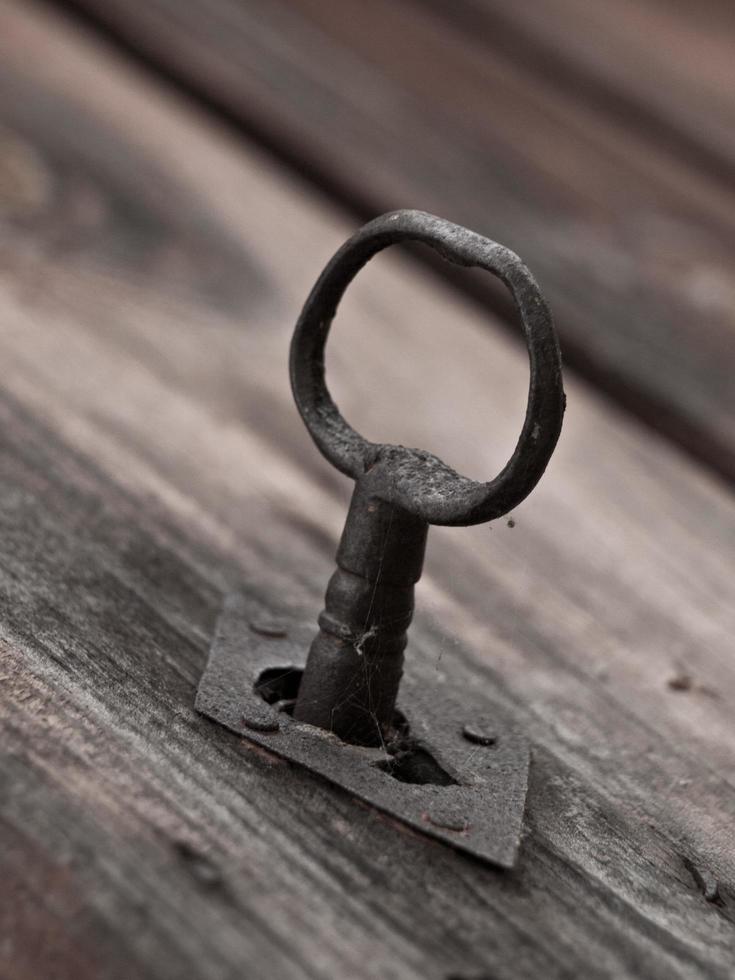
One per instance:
(434, 762)
(355, 663)
(476, 800)
(412, 479)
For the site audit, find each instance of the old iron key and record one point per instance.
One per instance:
(355, 663)
(337, 714)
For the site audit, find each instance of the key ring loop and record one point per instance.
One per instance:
(413, 479)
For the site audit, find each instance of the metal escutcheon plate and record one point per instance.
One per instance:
(480, 812)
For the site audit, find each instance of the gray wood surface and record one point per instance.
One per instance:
(590, 137)
(151, 459)
(661, 66)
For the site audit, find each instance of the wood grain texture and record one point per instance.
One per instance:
(662, 66)
(151, 271)
(579, 134)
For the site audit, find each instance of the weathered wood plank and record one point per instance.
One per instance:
(414, 104)
(665, 67)
(151, 460)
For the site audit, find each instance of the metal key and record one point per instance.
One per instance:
(355, 663)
